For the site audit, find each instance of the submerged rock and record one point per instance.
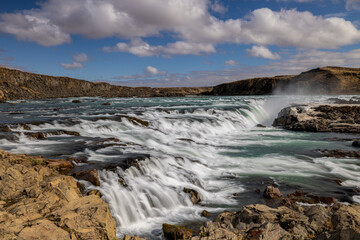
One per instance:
(76, 101)
(176, 232)
(320, 118)
(194, 195)
(106, 104)
(339, 153)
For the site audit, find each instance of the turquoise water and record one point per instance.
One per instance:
(210, 144)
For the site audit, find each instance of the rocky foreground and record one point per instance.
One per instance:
(298, 216)
(320, 118)
(37, 202)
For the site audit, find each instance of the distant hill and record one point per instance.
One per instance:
(327, 80)
(15, 84)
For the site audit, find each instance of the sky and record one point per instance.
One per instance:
(177, 43)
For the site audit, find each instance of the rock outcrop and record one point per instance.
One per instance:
(37, 202)
(327, 80)
(320, 118)
(15, 84)
(301, 222)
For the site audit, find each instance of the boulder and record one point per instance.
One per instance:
(91, 176)
(206, 214)
(194, 195)
(176, 232)
(272, 192)
(76, 101)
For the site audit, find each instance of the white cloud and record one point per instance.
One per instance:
(263, 52)
(33, 28)
(71, 66)
(77, 63)
(81, 57)
(190, 22)
(142, 49)
(151, 70)
(216, 6)
(232, 63)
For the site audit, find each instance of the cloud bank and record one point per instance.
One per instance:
(191, 23)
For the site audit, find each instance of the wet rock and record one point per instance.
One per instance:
(36, 135)
(176, 232)
(320, 118)
(194, 195)
(91, 176)
(339, 153)
(135, 120)
(356, 143)
(206, 214)
(5, 128)
(106, 104)
(260, 126)
(272, 192)
(76, 101)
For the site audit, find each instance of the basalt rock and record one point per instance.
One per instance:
(37, 202)
(320, 118)
(263, 222)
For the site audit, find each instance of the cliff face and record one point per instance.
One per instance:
(328, 80)
(255, 86)
(16, 84)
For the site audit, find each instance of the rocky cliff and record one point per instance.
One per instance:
(16, 84)
(328, 80)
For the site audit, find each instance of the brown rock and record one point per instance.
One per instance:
(91, 176)
(44, 229)
(194, 195)
(206, 214)
(76, 101)
(272, 192)
(176, 232)
(106, 104)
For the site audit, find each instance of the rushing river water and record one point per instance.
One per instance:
(210, 144)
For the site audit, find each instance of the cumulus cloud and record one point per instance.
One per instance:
(142, 49)
(151, 70)
(33, 28)
(263, 52)
(190, 22)
(77, 63)
(81, 57)
(232, 63)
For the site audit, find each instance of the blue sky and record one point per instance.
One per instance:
(177, 42)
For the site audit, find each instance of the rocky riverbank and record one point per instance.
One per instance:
(320, 118)
(297, 216)
(38, 202)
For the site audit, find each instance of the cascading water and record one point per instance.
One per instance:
(209, 144)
